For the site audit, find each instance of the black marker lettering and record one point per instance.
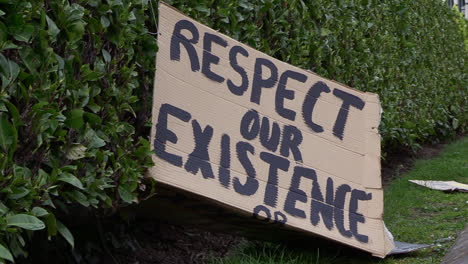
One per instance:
(348, 100)
(283, 93)
(259, 82)
(225, 163)
(319, 207)
(271, 190)
(238, 89)
(309, 103)
(292, 138)
(199, 158)
(209, 58)
(163, 134)
(250, 125)
(354, 216)
(262, 208)
(280, 218)
(295, 194)
(178, 38)
(270, 138)
(340, 197)
(251, 184)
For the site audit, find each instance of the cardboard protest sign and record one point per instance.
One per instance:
(239, 127)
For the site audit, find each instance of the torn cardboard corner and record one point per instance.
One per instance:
(404, 248)
(260, 136)
(447, 186)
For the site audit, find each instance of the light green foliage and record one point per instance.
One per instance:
(462, 22)
(413, 214)
(410, 52)
(74, 104)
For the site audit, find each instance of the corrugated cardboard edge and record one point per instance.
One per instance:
(373, 178)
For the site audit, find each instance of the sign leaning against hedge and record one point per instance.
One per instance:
(240, 127)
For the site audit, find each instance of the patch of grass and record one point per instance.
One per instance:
(413, 213)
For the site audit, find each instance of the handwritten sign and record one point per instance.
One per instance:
(237, 126)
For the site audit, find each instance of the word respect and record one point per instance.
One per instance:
(265, 76)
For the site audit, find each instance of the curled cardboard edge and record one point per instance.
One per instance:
(402, 247)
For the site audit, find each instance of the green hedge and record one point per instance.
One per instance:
(76, 86)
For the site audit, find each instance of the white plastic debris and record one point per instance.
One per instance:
(448, 186)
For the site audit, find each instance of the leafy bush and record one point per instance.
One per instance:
(76, 85)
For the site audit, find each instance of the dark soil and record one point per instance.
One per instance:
(111, 240)
(165, 243)
(398, 162)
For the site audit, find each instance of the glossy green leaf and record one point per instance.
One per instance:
(93, 140)
(51, 223)
(14, 113)
(25, 33)
(25, 221)
(106, 55)
(39, 211)
(65, 232)
(125, 195)
(5, 253)
(105, 22)
(52, 30)
(3, 209)
(71, 179)
(18, 193)
(79, 197)
(7, 133)
(9, 70)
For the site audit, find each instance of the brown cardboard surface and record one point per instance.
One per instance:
(216, 140)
